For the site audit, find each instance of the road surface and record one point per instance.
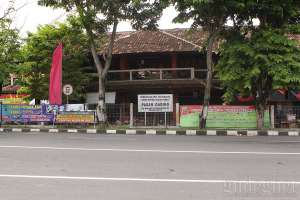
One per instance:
(137, 167)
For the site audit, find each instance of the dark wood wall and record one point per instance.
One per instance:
(159, 60)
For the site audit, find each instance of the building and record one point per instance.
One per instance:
(171, 62)
(158, 62)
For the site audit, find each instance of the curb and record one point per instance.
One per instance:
(159, 132)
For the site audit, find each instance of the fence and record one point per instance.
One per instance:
(127, 114)
(156, 74)
(287, 116)
(278, 116)
(118, 114)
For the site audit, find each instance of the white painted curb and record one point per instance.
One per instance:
(232, 133)
(72, 131)
(35, 130)
(252, 133)
(91, 131)
(150, 132)
(16, 130)
(191, 132)
(273, 133)
(211, 132)
(293, 133)
(111, 131)
(170, 132)
(130, 132)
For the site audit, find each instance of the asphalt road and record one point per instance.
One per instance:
(89, 166)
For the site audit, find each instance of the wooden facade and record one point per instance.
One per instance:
(159, 62)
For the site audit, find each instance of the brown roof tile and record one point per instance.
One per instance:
(170, 40)
(173, 40)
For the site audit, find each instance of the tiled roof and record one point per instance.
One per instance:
(173, 40)
(170, 40)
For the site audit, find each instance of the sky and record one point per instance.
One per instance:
(30, 16)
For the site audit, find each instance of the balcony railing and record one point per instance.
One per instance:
(156, 74)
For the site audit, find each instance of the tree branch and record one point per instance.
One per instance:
(110, 48)
(90, 34)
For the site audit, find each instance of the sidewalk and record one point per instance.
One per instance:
(281, 132)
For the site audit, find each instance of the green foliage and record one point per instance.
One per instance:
(9, 49)
(38, 50)
(255, 65)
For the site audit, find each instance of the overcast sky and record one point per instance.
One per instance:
(32, 15)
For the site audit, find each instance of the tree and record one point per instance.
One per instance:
(37, 53)
(257, 65)
(263, 49)
(9, 49)
(97, 17)
(211, 15)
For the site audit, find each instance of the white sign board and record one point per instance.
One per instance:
(93, 97)
(110, 97)
(68, 89)
(75, 107)
(155, 103)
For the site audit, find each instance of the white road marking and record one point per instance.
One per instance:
(153, 150)
(145, 179)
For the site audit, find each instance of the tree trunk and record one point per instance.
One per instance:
(260, 116)
(102, 70)
(208, 86)
(101, 107)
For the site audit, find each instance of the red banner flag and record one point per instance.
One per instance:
(56, 76)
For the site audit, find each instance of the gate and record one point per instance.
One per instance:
(128, 115)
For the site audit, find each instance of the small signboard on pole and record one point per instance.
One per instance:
(68, 90)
